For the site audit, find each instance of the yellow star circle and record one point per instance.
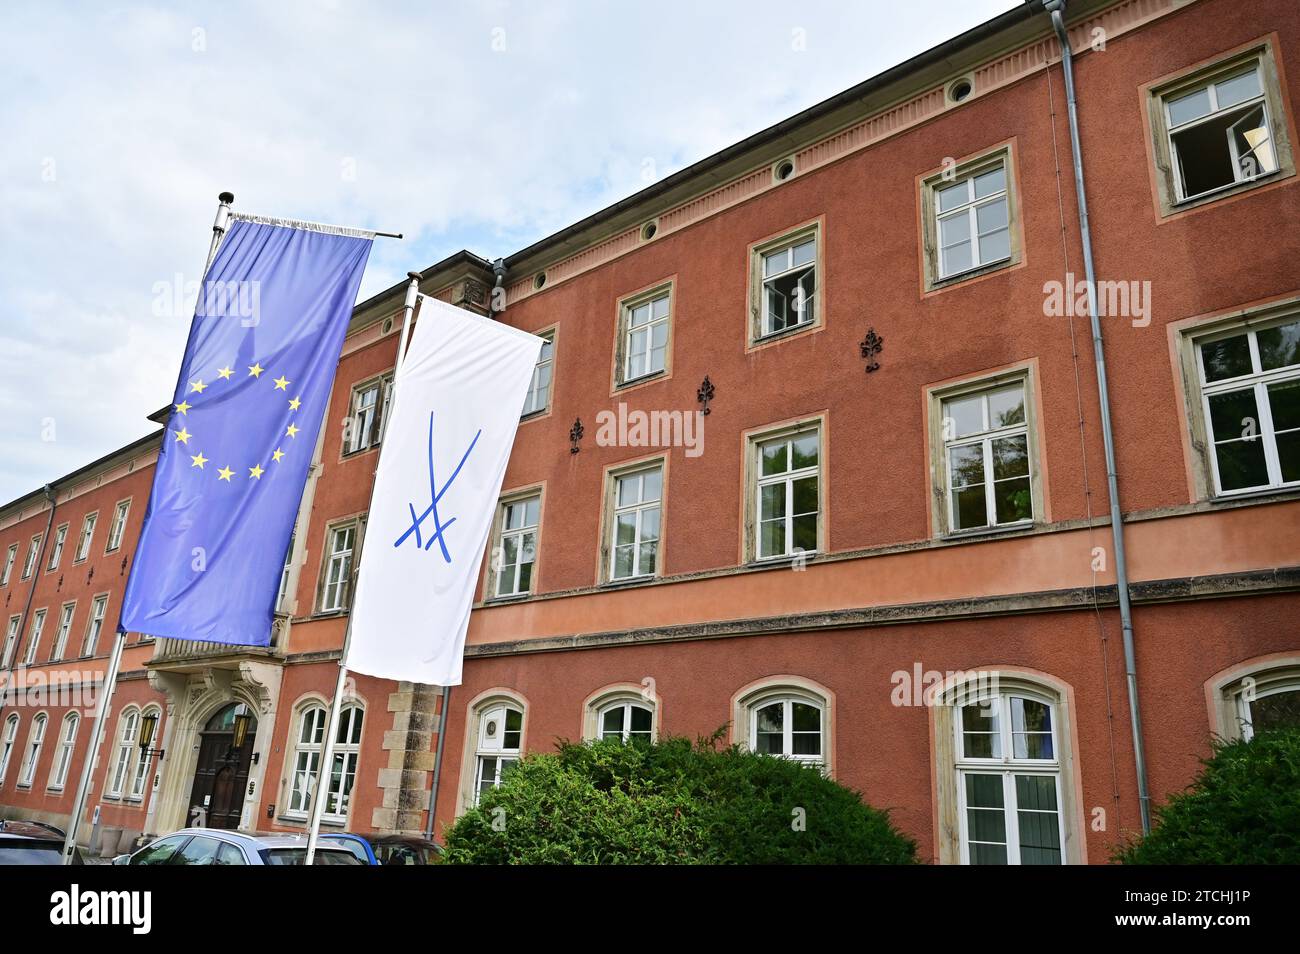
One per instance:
(225, 473)
(256, 471)
(183, 436)
(277, 455)
(281, 383)
(197, 386)
(292, 431)
(256, 370)
(199, 460)
(225, 373)
(184, 406)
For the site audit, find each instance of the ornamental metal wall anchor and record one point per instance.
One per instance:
(871, 346)
(705, 393)
(575, 435)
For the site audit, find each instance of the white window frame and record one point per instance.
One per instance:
(140, 774)
(538, 398)
(11, 640)
(627, 704)
(1008, 767)
(33, 553)
(308, 738)
(338, 567)
(7, 743)
(11, 556)
(806, 308)
(56, 551)
(503, 572)
(985, 439)
(787, 698)
(637, 510)
(285, 572)
(87, 537)
(121, 513)
(63, 757)
(1258, 380)
(66, 614)
(626, 373)
(367, 422)
(970, 210)
(35, 742)
(787, 477)
(128, 730)
(491, 745)
(34, 635)
(1259, 682)
(1209, 83)
(95, 624)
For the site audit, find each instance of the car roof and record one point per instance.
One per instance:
(26, 829)
(253, 842)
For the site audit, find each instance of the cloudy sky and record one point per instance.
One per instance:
(481, 125)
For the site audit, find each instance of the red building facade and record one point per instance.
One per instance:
(885, 550)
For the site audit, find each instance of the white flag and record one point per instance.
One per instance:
(456, 405)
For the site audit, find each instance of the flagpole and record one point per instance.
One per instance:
(109, 683)
(326, 767)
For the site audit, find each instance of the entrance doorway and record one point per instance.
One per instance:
(221, 776)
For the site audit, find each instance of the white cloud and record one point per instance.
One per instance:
(484, 126)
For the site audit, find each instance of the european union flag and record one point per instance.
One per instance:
(254, 382)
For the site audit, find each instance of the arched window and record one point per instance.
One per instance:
(1265, 697)
(1005, 789)
(787, 720)
(498, 745)
(35, 739)
(7, 745)
(128, 725)
(67, 745)
(306, 760)
(626, 720)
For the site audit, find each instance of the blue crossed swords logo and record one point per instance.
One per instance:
(417, 521)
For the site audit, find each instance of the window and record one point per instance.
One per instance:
(118, 528)
(500, 738)
(284, 574)
(1250, 404)
(11, 639)
(33, 550)
(1221, 129)
(1264, 698)
(626, 720)
(987, 477)
(65, 627)
(7, 745)
(645, 322)
(516, 550)
(128, 726)
(161, 852)
(783, 276)
(307, 752)
(94, 625)
(56, 552)
(87, 535)
(786, 493)
(538, 398)
(969, 218)
(63, 758)
(10, 555)
(34, 638)
(370, 402)
(634, 534)
(790, 726)
(1009, 779)
(35, 739)
(338, 568)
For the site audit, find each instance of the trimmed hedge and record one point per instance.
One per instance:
(1243, 809)
(674, 802)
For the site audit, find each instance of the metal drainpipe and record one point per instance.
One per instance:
(498, 290)
(1057, 10)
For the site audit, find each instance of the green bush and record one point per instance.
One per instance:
(673, 802)
(1243, 809)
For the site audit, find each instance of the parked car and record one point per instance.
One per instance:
(377, 849)
(213, 846)
(33, 843)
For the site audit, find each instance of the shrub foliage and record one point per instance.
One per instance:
(1243, 809)
(674, 802)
